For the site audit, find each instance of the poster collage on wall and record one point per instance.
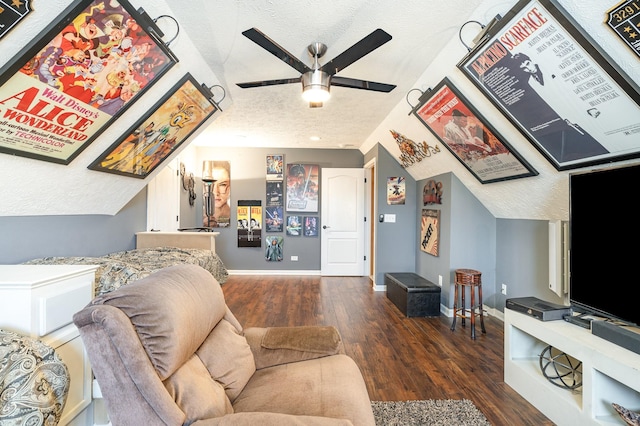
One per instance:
(292, 189)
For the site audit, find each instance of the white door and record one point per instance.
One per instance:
(342, 231)
(163, 200)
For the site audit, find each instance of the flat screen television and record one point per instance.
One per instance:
(604, 243)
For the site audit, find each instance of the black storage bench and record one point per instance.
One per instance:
(412, 294)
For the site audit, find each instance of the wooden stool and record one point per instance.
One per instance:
(468, 278)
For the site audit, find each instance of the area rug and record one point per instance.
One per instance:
(428, 412)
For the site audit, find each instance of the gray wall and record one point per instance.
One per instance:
(522, 260)
(395, 242)
(510, 251)
(29, 237)
(248, 182)
(428, 266)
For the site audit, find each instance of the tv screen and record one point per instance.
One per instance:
(604, 242)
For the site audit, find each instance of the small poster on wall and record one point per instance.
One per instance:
(249, 213)
(311, 226)
(395, 190)
(275, 167)
(275, 193)
(273, 252)
(294, 225)
(274, 221)
(432, 193)
(430, 231)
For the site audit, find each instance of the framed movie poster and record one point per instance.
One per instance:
(468, 136)
(311, 226)
(75, 78)
(275, 167)
(430, 231)
(273, 219)
(302, 187)
(249, 214)
(274, 249)
(294, 225)
(396, 192)
(275, 193)
(554, 84)
(153, 138)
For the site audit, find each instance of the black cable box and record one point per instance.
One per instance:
(537, 308)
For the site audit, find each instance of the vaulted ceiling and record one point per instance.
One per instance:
(277, 115)
(426, 44)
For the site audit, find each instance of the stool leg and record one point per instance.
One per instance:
(481, 310)
(464, 306)
(472, 308)
(455, 306)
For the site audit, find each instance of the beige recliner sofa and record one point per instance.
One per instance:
(166, 350)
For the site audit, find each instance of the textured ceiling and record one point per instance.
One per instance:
(277, 115)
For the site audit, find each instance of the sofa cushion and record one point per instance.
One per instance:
(173, 311)
(330, 386)
(196, 393)
(228, 358)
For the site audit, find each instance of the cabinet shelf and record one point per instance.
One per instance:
(610, 373)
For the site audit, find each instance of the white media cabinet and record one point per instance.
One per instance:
(610, 373)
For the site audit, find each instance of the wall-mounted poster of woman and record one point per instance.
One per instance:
(220, 197)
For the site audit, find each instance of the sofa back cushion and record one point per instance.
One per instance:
(173, 311)
(197, 394)
(228, 358)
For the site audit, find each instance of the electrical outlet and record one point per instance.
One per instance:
(294, 258)
(504, 289)
(440, 280)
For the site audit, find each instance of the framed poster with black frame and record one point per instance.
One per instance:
(563, 92)
(76, 77)
(468, 136)
(157, 135)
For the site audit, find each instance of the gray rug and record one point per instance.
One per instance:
(428, 412)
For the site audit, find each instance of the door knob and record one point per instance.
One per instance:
(325, 227)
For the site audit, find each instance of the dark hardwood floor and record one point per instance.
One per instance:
(400, 358)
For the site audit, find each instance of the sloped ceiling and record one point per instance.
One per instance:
(425, 48)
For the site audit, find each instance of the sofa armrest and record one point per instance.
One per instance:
(281, 345)
(271, 419)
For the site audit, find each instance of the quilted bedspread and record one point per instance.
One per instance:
(121, 268)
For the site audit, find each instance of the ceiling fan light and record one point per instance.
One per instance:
(315, 86)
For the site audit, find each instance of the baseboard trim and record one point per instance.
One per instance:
(273, 272)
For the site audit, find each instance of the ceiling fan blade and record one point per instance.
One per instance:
(361, 84)
(357, 51)
(268, 82)
(275, 49)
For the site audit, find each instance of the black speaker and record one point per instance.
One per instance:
(626, 336)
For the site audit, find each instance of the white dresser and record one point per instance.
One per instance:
(39, 301)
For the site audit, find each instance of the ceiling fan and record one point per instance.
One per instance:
(317, 79)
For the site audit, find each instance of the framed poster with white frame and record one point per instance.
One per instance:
(564, 93)
(76, 77)
(303, 187)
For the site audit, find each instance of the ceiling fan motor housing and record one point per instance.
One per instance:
(315, 86)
